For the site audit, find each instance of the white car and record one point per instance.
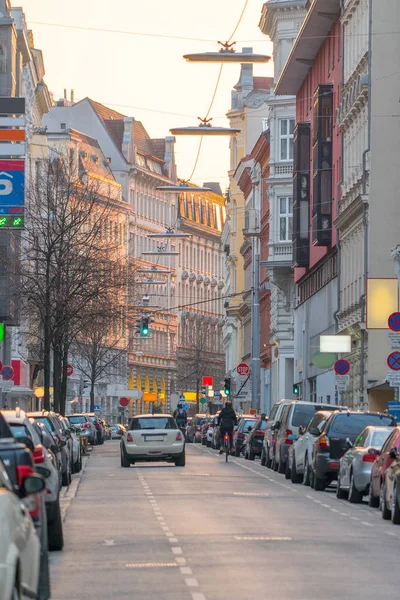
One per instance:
(210, 431)
(20, 546)
(300, 452)
(152, 438)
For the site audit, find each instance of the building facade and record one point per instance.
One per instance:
(313, 74)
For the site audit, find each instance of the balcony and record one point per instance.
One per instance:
(280, 256)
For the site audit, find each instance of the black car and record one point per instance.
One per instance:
(255, 439)
(240, 435)
(331, 445)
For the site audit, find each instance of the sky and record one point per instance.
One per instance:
(131, 73)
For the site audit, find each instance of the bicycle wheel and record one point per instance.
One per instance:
(226, 451)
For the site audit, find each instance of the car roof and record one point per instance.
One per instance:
(151, 416)
(17, 415)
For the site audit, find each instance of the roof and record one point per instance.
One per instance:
(149, 415)
(262, 83)
(114, 122)
(319, 20)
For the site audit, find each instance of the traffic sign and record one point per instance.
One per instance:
(207, 380)
(203, 400)
(243, 370)
(1, 366)
(393, 378)
(7, 373)
(342, 382)
(393, 361)
(394, 409)
(342, 367)
(70, 370)
(96, 408)
(394, 321)
(124, 401)
(185, 406)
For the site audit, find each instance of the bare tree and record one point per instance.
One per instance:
(198, 356)
(68, 262)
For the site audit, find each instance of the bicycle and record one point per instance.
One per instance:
(227, 446)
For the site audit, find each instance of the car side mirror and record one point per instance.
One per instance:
(349, 443)
(277, 425)
(43, 471)
(32, 484)
(393, 453)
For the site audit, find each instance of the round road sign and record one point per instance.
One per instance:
(393, 361)
(7, 373)
(341, 366)
(124, 401)
(394, 321)
(243, 369)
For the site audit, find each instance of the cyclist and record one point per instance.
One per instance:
(227, 420)
(180, 417)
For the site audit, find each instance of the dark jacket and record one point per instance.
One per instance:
(227, 417)
(180, 417)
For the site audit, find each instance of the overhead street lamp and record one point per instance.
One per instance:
(227, 54)
(182, 187)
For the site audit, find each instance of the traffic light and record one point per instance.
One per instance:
(296, 389)
(145, 327)
(227, 386)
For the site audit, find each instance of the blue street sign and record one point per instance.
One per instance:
(12, 186)
(393, 361)
(181, 397)
(394, 321)
(217, 393)
(394, 410)
(96, 407)
(185, 407)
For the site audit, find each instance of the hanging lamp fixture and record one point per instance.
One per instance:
(227, 54)
(205, 128)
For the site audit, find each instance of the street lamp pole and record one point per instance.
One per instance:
(255, 307)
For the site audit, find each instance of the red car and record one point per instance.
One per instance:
(382, 463)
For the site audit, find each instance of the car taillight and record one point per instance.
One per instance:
(240, 436)
(370, 457)
(39, 454)
(323, 443)
(259, 433)
(179, 437)
(129, 437)
(85, 426)
(32, 502)
(97, 425)
(288, 433)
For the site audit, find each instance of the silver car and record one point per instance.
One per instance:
(355, 466)
(301, 451)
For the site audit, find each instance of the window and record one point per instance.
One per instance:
(208, 216)
(3, 57)
(201, 218)
(285, 219)
(313, 389)
(286, 130)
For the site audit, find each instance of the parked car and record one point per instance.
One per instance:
(267, 451)
(117, 431)
(100, 434)
(193, 431)
(87, 428)
(390, 505)
(340, 429)
(29, 433)
(301, 451)
(20, 546)
(63, 452)
(240, 435)
(19, 463)
(294, 415)
(254, 440)
(356, 464)
(387, 455)
(152, 438)
(210, 430)
(204, 430)
(75, 444)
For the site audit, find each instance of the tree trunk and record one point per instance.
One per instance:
(92, 384)
(57, 373)
(64, 379)
(197, 395)
(47, 340)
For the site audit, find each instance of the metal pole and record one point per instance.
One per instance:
(255, 316)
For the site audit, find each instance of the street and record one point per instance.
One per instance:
(217, 531)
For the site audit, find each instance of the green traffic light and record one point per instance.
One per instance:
(3, 221)
(17, 221)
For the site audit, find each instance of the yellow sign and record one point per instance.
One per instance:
(149, 396)
(189, 396)
(382, 301)
(39, 392)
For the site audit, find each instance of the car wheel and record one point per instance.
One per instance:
(263, 459)
(124, 460)
(55, 530)
(294, 476)
(78, 464)
(274, 465)
(355, 496)
(386, 514)
(16, 594)
(307, 472)
(395, 507)
(44, 575)
(237, 452)
(340, 493)
(288, 470)
(251, 455)
(281, 466)
(66, 477)
(373, 500)
(208, 444)
(268, 461)
(180, 462)
(245, 454)
(319, 484)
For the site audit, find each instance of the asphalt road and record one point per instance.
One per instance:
(217, 531)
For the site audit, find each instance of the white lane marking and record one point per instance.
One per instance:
(191, 582)
(180, 560)
(108, 543)
(176, 550)
(355, 518)
(390, 533)
(334, 510)
(173, 540)
(367, 524)
(169, 534)
(160, 519)
(343, 514)
(195, 474)
(186, 570)
(198, 597)
(325, 505)
(250, 494)
(243, 538)
(165, 527)
(149, 565)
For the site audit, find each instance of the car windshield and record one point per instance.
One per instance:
(352, 424)
(46, 422)
(152, 423)
(76, 420)
(19, 431)
(302, 414)
(248, 423)
(262, 426)
(380, 437)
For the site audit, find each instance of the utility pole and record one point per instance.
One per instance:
(255, 305)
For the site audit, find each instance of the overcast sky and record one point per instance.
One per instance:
(130, 72)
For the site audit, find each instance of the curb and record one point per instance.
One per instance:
(72, 490)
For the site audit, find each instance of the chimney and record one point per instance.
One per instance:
(65, 93)
(72, 96)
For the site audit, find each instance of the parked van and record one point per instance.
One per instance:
(267, 451)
